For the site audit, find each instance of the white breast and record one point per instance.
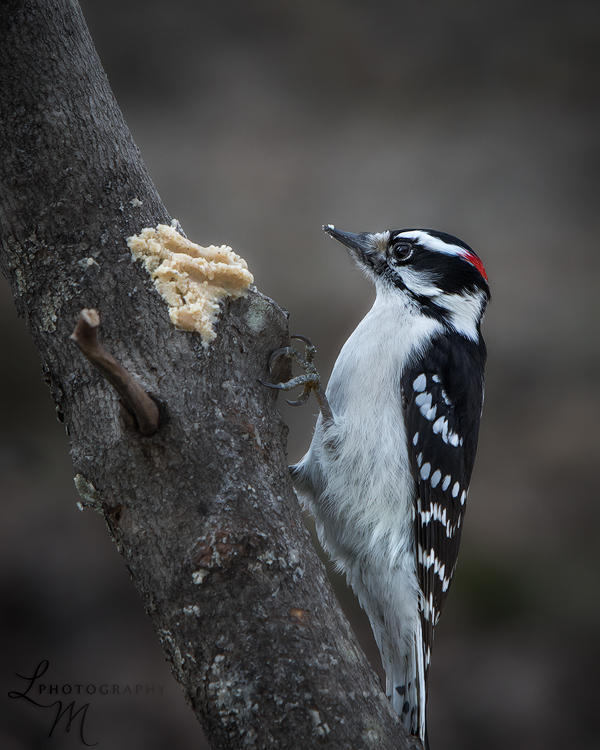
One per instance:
(361, 485)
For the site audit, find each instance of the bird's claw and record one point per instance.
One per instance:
(305, 361)
(310, 380)
(284, 351)
(309, 348)
(302, 398)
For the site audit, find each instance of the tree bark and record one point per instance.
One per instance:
(202, 511)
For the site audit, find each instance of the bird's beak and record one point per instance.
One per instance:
(361, 245)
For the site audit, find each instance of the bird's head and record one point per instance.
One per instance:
(434, 271)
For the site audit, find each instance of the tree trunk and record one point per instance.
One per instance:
(202, 511)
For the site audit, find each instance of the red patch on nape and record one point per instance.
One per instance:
(474, 260)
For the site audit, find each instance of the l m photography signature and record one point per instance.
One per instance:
(66, 713)
(68, 710)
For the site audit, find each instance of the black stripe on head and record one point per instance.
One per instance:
(439, 263)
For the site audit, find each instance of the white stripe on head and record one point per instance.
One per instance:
(418, 282)
(434, 243)
(464, 310)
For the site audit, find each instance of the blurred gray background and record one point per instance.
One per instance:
(259, 122)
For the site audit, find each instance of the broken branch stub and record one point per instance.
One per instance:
(133, 396)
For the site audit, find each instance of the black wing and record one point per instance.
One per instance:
(442, 394)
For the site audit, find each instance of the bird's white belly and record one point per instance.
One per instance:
(365, 507)
(356, 477)
(363, 486)
(364, 514)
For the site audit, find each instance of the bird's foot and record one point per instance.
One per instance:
(310, 380)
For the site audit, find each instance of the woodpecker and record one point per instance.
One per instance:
(387, 473)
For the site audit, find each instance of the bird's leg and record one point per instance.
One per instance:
(310, 380)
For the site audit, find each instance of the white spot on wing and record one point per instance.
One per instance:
(425, 469)
(438, 513)
(455, 489)
(424, 515)
(420, 382)
(423, 399)
(429, 413)
(446, 482)
(429, 611)
(415, 438)
(435, 478)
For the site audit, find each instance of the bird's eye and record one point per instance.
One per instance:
(401, 251)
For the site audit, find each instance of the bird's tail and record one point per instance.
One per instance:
(406, 686)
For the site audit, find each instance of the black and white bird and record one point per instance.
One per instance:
(387, 473)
